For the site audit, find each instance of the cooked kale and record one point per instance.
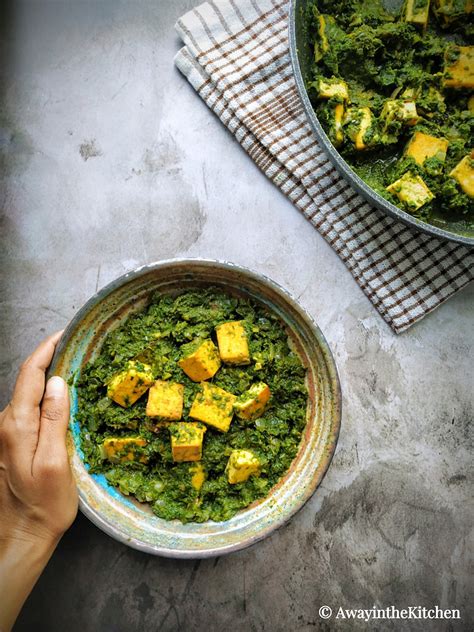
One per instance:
(404, 72)
(156, 335)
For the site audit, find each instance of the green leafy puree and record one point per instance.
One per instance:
(156, 337)
(379, 55)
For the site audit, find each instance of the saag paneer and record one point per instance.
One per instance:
(394, 91)
(195, 405)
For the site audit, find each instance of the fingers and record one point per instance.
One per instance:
(54, 420)
(29, 387)
(20, 427)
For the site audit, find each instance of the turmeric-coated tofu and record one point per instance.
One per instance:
(165, 400)
(241, 465)
(423, 146)
(459, 69)
(336, 131)
(463, 173)
(360, 127)
(233, 343)
(203, 363)
(198, 475)
(333, 89)
(129, 385)
(186, 441)
(124, 449)
(417, 12)
(213, 406)
(321, 45)
(252, 403)
(412, 191)
(399, 110)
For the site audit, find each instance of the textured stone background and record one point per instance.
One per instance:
(108, 161)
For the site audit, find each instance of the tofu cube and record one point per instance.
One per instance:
(463, 173)
(411, 191)
(399, 110)
(360, 127)
(129, 385)
(321, 45)
(423, 146)
(336, 133)
(241, 465)
(459, 68)
(203, 363)
(165, 400)
(252, 403)
(233, 343)
(186, 441)
(333, 89)
(124, 449)
(417, 12)
(214, 407)
(198, 476)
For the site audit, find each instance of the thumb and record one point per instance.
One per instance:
(54, 417)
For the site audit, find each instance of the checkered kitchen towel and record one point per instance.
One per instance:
(236, 57)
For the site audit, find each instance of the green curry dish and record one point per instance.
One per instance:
(379, 77)
(135, 453)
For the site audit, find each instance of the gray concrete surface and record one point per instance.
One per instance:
(109, 160)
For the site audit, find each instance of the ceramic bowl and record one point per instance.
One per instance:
(133, 523)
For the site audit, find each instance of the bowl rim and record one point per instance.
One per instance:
(95, 516)
(369, 194)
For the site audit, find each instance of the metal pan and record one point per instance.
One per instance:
(301, 58)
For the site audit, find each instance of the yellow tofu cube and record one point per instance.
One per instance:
(417, 12)
(129, 385)
(333, 89)
(203, 363)
(460, 72)
(233, 343)
(360, 127)
(198, 476)
(213, 406)
(412, 191)
(165, 400)
(336, 132)
(186, 441)
(463, 173)
(321, 46)
(252, 403)
(423, 146)
(399, 110)
(124, 449)
(241, 465)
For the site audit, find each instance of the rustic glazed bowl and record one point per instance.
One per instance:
(133, 523)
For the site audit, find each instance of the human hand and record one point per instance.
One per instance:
(38, 496)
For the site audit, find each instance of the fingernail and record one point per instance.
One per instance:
(56, 386)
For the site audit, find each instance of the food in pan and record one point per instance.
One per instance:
(394, 90)
(196, 405)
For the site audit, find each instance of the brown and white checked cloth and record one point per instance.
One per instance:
(236, 57)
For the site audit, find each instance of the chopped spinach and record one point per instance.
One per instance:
(156, 335)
